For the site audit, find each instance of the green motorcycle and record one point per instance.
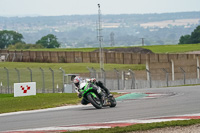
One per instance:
(96, 95)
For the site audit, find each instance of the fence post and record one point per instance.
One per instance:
(90, 70)
(149, 73)
(30, 73)
(123, 80)
(117, 72)
(173, 73)
(198, 68)
(63, 71)
(94, 72)
(43, 89)
(104, 76)
(18, 74)
(1, 88)
(166, 74)
(184, 81)
(52, 79)
(133, 79)
(7, 79)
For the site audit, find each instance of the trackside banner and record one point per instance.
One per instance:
(24, 89)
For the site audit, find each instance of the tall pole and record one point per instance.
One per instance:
(112, 39)
(100, 38)
(142, 41)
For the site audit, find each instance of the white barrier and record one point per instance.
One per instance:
(24, 89)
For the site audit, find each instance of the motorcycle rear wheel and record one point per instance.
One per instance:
(113, 102)
(96, 102)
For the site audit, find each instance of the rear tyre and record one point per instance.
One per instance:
(113, 102)
(96, 102)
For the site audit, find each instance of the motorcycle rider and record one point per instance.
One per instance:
(77, 80)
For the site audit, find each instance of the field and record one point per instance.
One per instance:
(155, 48)
(167, 23)
(174, 48)
(70, 67)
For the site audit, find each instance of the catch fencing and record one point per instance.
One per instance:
(47, 80)
(54, 80)
(128, 79)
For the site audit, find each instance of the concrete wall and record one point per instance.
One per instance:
(93, 57)
(174, 66)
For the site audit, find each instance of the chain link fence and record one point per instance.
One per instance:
(128, 79)
(47, 80)
(53, 80)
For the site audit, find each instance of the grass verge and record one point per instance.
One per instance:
(143, 127)
(9, 103)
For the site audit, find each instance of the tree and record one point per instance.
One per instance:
(193, 38)
(185, 39)
(9, 38)
(49, 41)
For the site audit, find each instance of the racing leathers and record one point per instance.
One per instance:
(92, 83)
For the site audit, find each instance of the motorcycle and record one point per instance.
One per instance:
(97, 98)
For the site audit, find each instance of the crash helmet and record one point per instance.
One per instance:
(77, 80)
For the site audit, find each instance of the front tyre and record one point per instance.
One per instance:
(96, 102)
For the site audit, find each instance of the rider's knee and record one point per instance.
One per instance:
(100, 83)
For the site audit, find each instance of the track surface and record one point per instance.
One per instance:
(172, 101)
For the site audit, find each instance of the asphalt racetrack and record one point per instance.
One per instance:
(159, 102)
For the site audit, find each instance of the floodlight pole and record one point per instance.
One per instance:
(142, 41)
(100, 38)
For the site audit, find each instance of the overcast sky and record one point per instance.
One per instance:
(74, 7)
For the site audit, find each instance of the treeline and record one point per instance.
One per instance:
(14, 40)
(193, 38)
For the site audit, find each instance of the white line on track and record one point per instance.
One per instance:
(43, 110)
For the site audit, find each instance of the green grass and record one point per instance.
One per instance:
(59, 49)
(71, 67)
(155, 48)
(9, 103)
(143, 127)
(173, 48)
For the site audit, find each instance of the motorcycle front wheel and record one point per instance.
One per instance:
(96, 102)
